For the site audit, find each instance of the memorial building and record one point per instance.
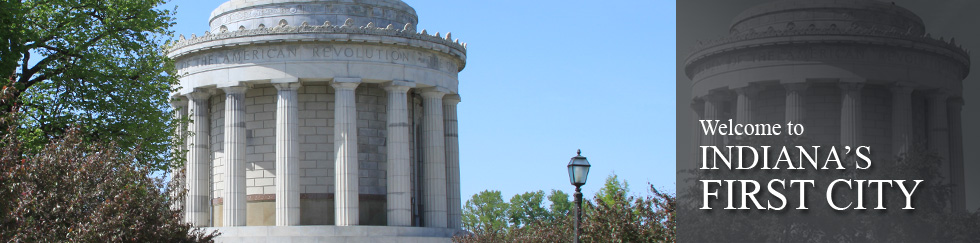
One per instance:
(320, 120)
(855, 73)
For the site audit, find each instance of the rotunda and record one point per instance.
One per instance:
(313, 119)
(865, 68)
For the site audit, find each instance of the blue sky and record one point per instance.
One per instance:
(544, 78)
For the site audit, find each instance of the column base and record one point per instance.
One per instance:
(334, 234)
(318, 209)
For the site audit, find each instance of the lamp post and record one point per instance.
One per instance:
(578, 172)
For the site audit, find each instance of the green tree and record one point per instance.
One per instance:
(611, 216)
(11, 30)
(73, 191)
(612, 186)
(560, 205)
(486, 213)
(526, 208)
(95, 64)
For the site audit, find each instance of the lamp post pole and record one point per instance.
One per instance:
(578, 212)
(578, 173)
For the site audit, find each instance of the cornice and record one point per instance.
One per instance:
(832, 34)
(369, 33)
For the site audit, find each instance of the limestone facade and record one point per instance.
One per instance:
(321, 113)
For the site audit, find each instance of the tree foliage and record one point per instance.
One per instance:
(72, 191)
(526, 208)
(612, 186)
(611, 216)
(95, 64)
(560, 206)
(11, 13)
(617, 217)
(486, 212)
(84, 123)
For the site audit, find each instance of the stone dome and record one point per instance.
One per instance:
(798, 14)
(250, 14)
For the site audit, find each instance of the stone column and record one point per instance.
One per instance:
(712, 111)
(743, 106)
(179, 114)
(287, 147)
(434, 160)
(956, 155)
(795, 102)
(850, 114)
(939, 130)
(346, 202)
(234, 196)
(455, 220)
(399, 155)
(697, 133)
(198, 156)
(901, 119)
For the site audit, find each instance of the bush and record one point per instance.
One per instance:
(81, 191)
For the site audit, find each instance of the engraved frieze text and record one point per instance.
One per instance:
(318, 52)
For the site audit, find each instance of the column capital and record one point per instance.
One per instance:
(902, 88)
(714, 97)
(434, 92)
(850, 86)
(199, 95)
(347, 80)
(345, 85)
(748, 90)
(232, 90)
(451, 99)
(938, 94)
(796, 86)
(901, 83)
(287, 86)
(398, 85)
(697, 104)
(956, 101)
(284, 80)
(177, 102)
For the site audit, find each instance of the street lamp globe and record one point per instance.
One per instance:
(578, 169)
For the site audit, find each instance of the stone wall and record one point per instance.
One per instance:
(823, 103)
(372, 130)
(371, 134)
(919, 117)
(260, 141)
(217, 154)
(770, 105)
(877, 125)
(260, 154)
(316, 108)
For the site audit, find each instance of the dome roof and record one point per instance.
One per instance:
(789, 14)
(249, 14)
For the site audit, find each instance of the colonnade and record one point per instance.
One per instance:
(943, 131)
(440, 154)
